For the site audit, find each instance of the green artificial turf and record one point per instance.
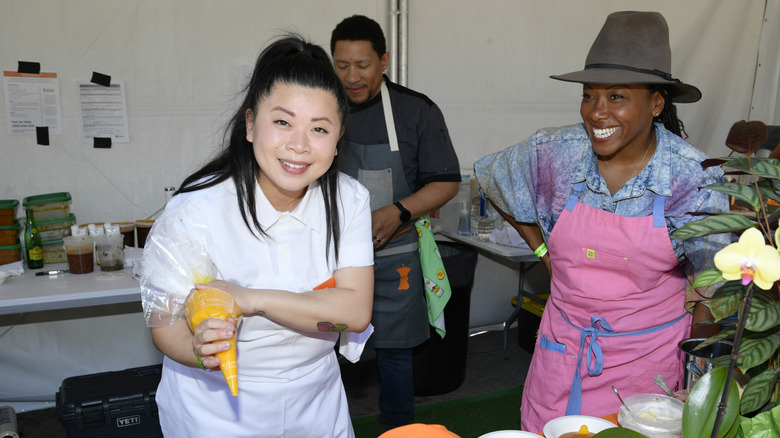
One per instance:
(468, 417)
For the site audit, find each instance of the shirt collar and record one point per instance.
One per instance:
(656, 176)
(309, 211)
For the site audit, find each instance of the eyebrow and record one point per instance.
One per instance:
(611, 87)
(292, 114)
(358, 61)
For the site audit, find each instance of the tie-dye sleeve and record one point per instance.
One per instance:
(508, 179)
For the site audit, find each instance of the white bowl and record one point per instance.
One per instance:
(572, 423)
(3, 276)
(509, 434)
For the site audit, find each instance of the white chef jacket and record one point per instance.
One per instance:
(289, 380)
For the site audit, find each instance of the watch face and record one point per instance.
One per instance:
(405, 214)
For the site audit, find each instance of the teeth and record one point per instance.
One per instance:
(294, 166)
(603, 133)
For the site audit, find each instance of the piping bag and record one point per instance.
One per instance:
(216, 303)
(174, 261)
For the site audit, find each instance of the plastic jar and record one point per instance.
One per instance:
(655, 415)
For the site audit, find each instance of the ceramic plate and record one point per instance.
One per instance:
(509, 434)
(572, 423)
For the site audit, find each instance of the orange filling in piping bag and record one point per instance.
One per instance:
(216, 303)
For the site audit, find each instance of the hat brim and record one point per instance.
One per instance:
(678, 91)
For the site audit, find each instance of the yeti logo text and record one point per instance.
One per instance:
(128, 421)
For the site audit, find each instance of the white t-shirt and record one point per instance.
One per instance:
(282, 371)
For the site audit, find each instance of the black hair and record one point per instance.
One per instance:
(668, 115)
(288, 60)
(359, 28)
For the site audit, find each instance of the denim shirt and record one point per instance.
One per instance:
(532, 180)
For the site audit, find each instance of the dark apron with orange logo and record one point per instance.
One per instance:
(400, 315)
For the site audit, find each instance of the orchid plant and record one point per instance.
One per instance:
(748, 271)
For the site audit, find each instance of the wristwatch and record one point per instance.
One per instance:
(405, 214)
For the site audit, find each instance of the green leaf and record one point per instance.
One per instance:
(756, 348)
(766, 168)
(762, 167)
(727, 300)
(721, 361)
(744, 192)
(733, 431)
(757, 391)
(724, 333)
(713, 224)
(707, 278)
(701, 407)
(764, 312)
(768, 190)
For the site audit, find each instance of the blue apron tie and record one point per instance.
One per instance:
(594, 352)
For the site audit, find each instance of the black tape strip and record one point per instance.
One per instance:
(102, 142)
(42, 133)
(101, 79)
(33, 68)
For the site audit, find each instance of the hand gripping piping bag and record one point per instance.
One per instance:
(216, 303)
(174, 261)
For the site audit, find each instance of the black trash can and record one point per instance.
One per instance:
(440, 364)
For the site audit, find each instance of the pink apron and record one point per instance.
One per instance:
(617, 300)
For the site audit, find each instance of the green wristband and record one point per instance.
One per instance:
(197, 358)
(541, 251)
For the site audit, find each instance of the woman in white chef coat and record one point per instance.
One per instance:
(291, 239)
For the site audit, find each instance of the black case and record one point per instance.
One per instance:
(112, 404)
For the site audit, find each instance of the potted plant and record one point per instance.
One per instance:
(749, 270)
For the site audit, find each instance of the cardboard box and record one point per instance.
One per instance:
(112, 404)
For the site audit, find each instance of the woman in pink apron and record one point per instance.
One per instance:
(604, 197)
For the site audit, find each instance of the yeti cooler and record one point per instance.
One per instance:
(111, 404)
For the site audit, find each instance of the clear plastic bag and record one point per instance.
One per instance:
(173, 262)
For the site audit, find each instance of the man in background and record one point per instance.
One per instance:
(398, 147)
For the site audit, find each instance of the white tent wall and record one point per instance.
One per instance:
(765, 105)
(487, 64)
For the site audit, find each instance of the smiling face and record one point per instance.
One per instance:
(360, 68)
(294, 134)
(619, 118)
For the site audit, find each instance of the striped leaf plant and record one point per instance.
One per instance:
(747, 272)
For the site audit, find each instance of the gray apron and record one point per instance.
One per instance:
(400, 315)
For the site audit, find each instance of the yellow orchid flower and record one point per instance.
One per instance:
(777, 238)
(750, 259)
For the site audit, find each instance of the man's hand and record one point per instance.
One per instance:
(384, 222)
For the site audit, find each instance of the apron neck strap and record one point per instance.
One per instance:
(658, 204)
(575, 195)
(658, 211)
(389, 121)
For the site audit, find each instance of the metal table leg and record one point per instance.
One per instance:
(521, 292)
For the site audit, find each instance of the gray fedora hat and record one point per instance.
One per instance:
(633, 48)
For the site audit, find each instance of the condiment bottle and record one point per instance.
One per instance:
(32, 243)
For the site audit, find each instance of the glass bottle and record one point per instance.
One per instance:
(32, 243)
